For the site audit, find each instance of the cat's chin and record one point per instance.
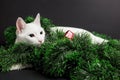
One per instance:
(38, 44)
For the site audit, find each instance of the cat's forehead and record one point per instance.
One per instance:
(31, 27)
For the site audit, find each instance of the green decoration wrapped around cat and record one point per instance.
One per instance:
(49, 49)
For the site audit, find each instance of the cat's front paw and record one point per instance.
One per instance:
(19, 66)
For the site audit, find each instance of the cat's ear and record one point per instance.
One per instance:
(20, 24)
(37, 19)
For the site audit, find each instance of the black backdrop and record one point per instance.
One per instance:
(102, 16)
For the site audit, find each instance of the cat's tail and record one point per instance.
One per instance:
(98, 40)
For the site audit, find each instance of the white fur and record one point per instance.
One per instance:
(23, 31)
(19, 66)
(79, 31)
(24, 37)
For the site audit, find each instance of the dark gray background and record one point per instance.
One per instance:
(102, 16)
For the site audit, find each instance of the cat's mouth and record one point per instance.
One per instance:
(40, 41)
(37, 44)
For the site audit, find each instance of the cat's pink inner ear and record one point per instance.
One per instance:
(37, 19)
(20, 24)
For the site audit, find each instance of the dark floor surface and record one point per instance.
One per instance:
(24, 75)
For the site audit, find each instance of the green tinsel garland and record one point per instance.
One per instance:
(76, 59)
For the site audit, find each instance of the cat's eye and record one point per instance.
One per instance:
(31, 35)
(41, 32)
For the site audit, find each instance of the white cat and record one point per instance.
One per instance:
(32, 33)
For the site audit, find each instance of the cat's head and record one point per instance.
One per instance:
(30, 33)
